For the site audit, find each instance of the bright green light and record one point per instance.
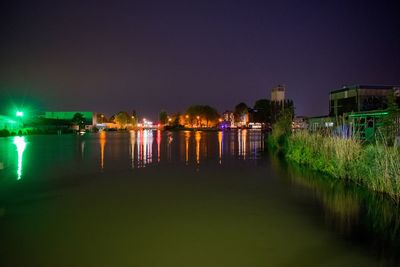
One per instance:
(19, 114)
(19, 142)
(372, 114)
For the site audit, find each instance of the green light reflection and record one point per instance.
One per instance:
(20, 143)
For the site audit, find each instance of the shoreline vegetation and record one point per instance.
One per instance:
(375, 166)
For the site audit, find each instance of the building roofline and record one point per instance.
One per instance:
(363, 86)
(320, 117)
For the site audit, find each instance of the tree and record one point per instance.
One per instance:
(122, 119)
(204, 112)
(210, 114)
(101, 118)
(281, 129)
(262, 111)
(134, 118)
(241, 109)
(163, 117)
(79, 120)
(175, 120)
(277, 107)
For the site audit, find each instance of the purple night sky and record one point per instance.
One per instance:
(108, 56)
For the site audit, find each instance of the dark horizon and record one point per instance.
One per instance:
(151, 55)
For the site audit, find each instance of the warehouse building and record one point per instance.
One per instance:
(359, 98)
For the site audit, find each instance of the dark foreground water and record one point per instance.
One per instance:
(181, 199)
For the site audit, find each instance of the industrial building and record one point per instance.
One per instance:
(90, 118)
(356, 110)
(359, 98)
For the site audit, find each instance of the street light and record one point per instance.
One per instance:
(19, 114)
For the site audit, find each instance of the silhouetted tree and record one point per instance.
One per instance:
(163, 117)
(262, 111)
(134, 117)
(210, 114)
(122, 119)
(241, 109)
(278, 107)
(205, 112)
(78, 119)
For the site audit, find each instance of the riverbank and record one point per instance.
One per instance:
(374, 166)
(24, 132)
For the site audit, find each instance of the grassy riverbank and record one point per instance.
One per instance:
(375, 166)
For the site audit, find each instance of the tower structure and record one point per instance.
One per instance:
(278, 93)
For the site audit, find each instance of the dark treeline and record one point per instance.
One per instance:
(263, 111)
(268, 111)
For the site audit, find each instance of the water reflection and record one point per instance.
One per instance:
(197, 137)
(147, 147)
(132, 147)
(187, 138)
(82, 149)
(355, 213)
(20, 143)
(242, 140)
(220, 145)
(158, 145)
(170, 139)
(102, 140)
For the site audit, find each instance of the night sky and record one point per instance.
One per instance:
(108, 56)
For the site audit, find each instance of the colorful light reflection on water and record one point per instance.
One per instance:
(20, 143)
(148, 147)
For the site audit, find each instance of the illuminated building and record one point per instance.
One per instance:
(9, 123)
(299, 123)
(228, 119)
(90, 118)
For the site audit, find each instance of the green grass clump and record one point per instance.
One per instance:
(375, 166)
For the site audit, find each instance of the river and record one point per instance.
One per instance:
(154, 198)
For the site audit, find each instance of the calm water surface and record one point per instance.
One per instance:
(152, 198)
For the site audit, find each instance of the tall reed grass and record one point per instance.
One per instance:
(375, 166)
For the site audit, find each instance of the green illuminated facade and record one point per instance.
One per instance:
(89, 117)
(365, 124)
(9, 123)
